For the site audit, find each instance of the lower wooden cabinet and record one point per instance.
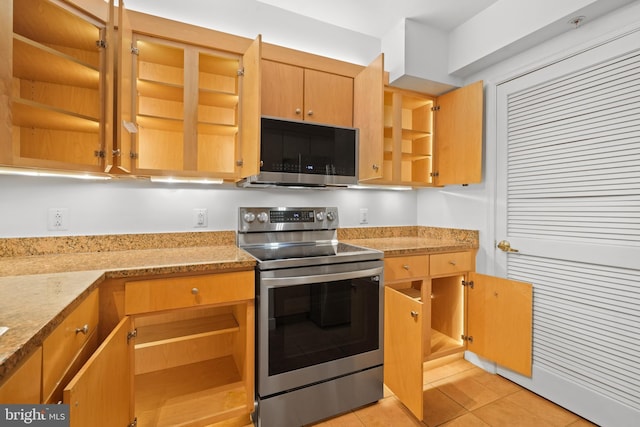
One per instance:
(435, 305)
(24, 385)
(182, 355)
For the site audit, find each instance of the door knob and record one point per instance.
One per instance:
(505, 246)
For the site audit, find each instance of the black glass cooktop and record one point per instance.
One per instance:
(280, 256)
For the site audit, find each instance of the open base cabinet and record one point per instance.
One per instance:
(436, 306)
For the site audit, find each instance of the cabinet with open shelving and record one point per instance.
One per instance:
(182, 353)
(408, 137)
(432, 140)
(194, 109)
(58, 83)
(436, 305)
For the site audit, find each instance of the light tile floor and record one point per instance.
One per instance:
(457, 394)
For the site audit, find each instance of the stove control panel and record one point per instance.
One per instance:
(286, 219)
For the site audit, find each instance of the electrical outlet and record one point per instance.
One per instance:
(364, 216)
(58, 219)
(200, 218)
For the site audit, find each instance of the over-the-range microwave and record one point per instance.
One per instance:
(297, 153)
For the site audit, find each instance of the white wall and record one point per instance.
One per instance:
(474, 206)
(108, 207)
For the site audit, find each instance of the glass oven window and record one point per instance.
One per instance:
(320, 322)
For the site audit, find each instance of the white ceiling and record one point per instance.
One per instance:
(376, 17)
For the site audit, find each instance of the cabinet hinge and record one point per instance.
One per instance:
(99, 153)
(241, 72)
(135, 50)
(240, 163)
(133, 423)
(468, 283)
(101, 43)
(434, 174)
(435, 108)
(133, 155)
(131, 335)
(466, 338)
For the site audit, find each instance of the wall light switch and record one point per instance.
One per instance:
(364, 216)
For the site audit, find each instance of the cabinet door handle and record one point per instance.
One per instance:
(298, 111)
(414, 314)
(406, 267)
(84, 330)
(195, 291)
(310, 113)
(375, 167)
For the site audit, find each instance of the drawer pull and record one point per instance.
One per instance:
(414, 314)
(406, 267)
(195, 291)
(84, 330)
(452, 262)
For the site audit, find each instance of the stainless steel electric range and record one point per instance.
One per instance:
(319, 316)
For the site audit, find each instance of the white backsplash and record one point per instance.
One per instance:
(112, 207)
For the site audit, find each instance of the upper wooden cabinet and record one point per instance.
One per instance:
(458, 136)
(432, 140)
(368, 111)
(298, 93)
(57, 84)
(188, 103)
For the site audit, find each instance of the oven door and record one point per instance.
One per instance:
(317, 323)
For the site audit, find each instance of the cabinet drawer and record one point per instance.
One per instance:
(187, 291)
(66, 343)
(402, 268)
(455, 262)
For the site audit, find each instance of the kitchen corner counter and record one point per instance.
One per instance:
(394, 241)
(40, 287)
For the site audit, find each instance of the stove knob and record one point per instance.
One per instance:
(320, 216)
(263, 217)
(331, 216)
(249, 217)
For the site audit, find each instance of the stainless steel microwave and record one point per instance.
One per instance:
(297, 153)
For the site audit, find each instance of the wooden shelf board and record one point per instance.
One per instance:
(217, 99)
(163, 333)
(31, 114)
(442, 344)
(211, 64)
(35, 61)
(160, 123)
(151, 89)
(414, 134)
(204, 392)
(44, 21)
(217, 129)
(160, 54)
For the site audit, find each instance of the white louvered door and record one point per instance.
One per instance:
(568, 198)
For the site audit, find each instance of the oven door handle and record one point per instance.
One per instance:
(274, 282)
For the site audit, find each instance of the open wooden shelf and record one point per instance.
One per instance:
(163, 333)
(35, 61)
(31, 114)
(443, 344)
(159, 123)
(45, 22)
(197, 394)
